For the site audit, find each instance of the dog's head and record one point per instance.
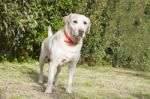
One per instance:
(77, 25)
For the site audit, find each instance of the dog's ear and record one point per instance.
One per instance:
(66, 19)
(89, 27)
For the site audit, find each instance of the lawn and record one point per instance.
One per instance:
(19, 81)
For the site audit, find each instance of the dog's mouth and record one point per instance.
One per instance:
(77, 36)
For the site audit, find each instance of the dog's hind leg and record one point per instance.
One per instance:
(41, 64)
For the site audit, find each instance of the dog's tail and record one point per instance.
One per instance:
(50, 33)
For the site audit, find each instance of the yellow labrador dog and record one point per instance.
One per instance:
(63, 47)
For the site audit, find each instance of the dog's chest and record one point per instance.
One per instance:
(63, 53)
(68, 58)
(66, 55)
(69, 55)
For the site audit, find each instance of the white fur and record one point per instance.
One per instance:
(59, 52)
(49, 31)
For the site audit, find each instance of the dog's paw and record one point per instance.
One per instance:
(40, 81)
(48, 91)
(68, 90)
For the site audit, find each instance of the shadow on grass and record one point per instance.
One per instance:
(58, 91)
(32, 73)
(137, 74)
(141, 95)
(2, 94)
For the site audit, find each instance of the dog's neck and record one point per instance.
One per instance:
(69, 40)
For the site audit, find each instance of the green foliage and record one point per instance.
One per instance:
(119, 33)
(22, 27)
(129, 30)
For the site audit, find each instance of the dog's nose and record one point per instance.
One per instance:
(81, 31)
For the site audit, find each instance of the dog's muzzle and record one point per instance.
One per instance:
(80, 31)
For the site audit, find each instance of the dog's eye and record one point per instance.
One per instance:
(84, 22)
(75, 21)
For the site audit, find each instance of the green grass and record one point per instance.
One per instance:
(19, 81)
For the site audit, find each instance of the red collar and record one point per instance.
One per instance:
(69, 40)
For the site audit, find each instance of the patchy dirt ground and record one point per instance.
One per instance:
(19, 81)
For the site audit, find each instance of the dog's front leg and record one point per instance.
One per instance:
(51, 74)
(71, 71)
(56, 75)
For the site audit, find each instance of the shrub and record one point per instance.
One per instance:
(119, 33)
